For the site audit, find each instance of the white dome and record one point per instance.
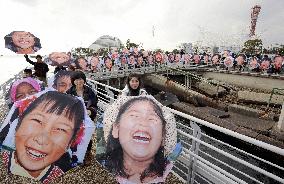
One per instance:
(106, 41)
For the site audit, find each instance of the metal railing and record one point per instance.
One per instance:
(207, 156)
(208, 159)
(275, 91)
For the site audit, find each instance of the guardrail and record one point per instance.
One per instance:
(207, 159)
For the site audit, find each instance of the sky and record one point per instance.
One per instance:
(65, 24)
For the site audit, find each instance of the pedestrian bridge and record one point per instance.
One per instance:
(207, 159)
(210, 153)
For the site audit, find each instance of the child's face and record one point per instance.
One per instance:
(265, 65)
(140, 132)
(240, 60)
(63, 84)
(134, 83)
(177, 58)
(131, 60)
(82, 63)
(42, 139)
(23, 90)
(23, 39)
(215, 59)
(59, 57)
(94, 61)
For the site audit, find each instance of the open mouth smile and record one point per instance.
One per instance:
(141, 137)
(35, 154)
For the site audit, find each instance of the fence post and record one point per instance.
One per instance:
(280, 124)
(194, 148)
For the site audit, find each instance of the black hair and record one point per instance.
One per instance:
(76, 62)
(10, 44)
(38, 56)
(78, 75)
(243, 56)
(61, 74)
(114, 152)
(59, 103)
(27, 70)
(134, 92)
(59, 68)
(219, 56)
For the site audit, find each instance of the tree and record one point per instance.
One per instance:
(130, 44)
(252, 47)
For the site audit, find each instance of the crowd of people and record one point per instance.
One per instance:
(129, 59)
(52, 119)
(139, 134)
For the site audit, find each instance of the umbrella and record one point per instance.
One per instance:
(59, 59)
(49, 136)
(130, 132)
(22, 42)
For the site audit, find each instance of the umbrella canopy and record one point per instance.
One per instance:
(137, 129)
(45, 135)
(22, 42)
(59, 59)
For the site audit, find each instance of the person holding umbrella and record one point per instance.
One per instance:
(40, 67)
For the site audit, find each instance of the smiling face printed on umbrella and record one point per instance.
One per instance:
(49, 136)
(22, 42)
(59, 58)
(139, 133)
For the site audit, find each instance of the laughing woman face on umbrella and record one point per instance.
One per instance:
(22, 42)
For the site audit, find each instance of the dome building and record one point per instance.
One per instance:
(106, 41)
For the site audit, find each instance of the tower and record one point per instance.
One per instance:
(254, 16)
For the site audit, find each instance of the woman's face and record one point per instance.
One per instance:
(215, 59)
(140, 132)
(265, 65)
(131, 60)
(82, 63)
(94, 62)
(108, 63)
(177, 58)
(79, 82)
(196, 59)
(23, 90)
(134, 83)
(150, 59)
(240, 60)
(23, 39)
(228, 62)
(59, 57)
(42, 139)
(140, 60)
(63, 84)
(159, 58)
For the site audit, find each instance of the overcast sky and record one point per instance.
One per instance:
(63, 24)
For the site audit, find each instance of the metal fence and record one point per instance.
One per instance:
(208, 159)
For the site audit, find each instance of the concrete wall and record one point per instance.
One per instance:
(263, 83)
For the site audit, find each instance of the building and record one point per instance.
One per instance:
(106, 41)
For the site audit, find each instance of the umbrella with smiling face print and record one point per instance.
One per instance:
(136, 140)
(45, 135)
(22, 42)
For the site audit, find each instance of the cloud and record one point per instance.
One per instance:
(64, 24)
